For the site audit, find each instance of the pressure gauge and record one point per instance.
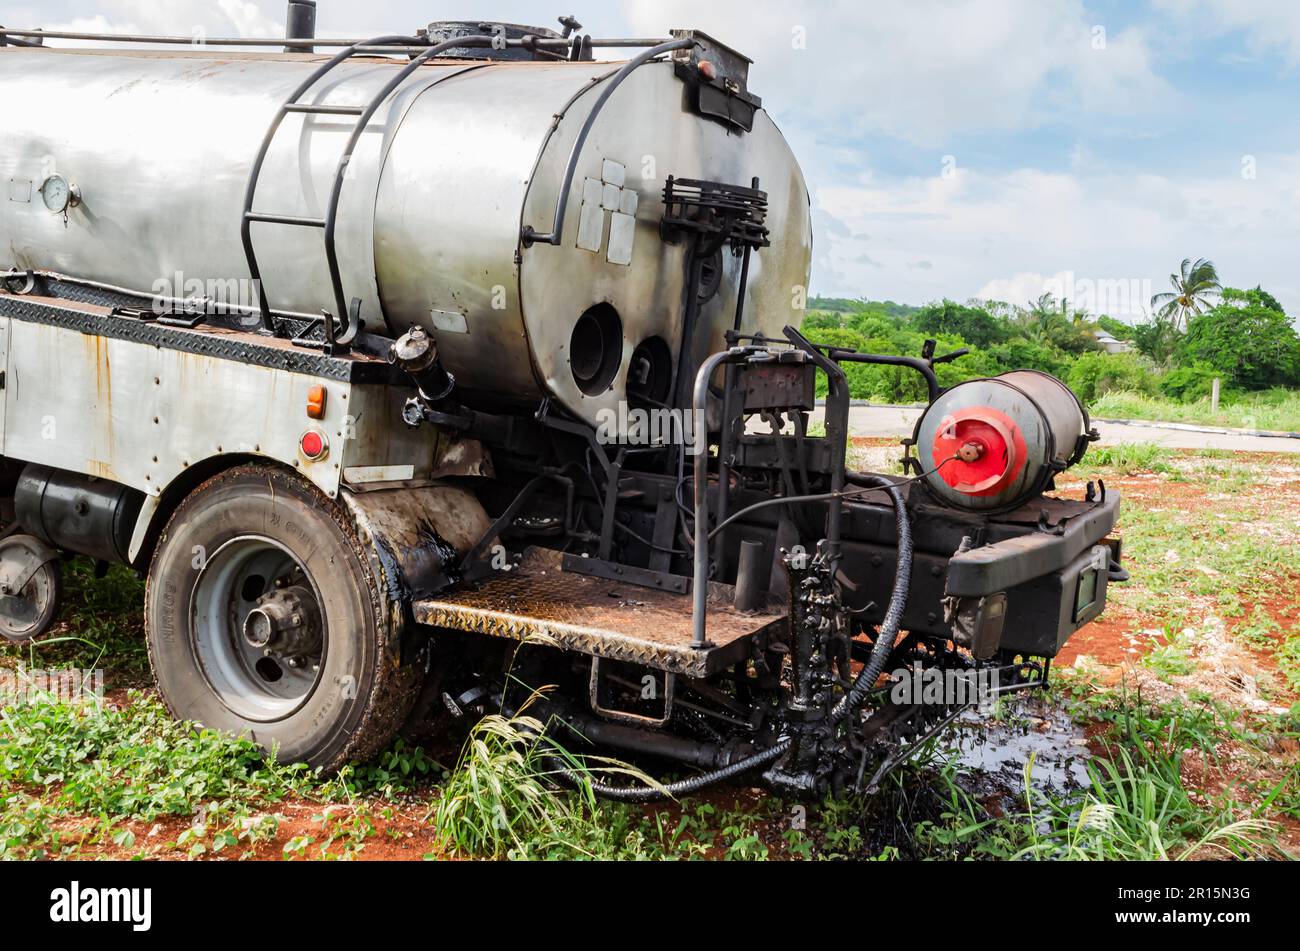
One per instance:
(59, 194)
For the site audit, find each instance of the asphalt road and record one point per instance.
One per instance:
(892, 421)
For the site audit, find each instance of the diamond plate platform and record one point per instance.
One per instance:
(599, 617)
(207, 339)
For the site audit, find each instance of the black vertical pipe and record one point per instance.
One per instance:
(749, 582)
(300, 24)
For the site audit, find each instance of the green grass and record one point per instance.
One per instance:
(100, 626)
(110, 767)
(1124, 459)
(1173, 658)
(1136, 806)
(1277, 410)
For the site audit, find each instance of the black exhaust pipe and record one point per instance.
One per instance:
(300, 24)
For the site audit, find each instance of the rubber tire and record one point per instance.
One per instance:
(342, 720)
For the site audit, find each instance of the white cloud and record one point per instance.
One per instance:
(175, 18)
(1107, 242)
(923, 70)
(1268, 24)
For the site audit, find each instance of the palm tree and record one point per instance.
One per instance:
(1044, 319)
(1193, 290)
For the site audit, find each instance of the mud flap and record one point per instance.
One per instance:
(415, 539)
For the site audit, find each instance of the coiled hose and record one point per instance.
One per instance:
(847, 706)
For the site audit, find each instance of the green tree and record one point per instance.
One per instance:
(1194, 288)
(1044, 320)
(1268, 300)
(1050, 322)
(1252, 344)
(1157, 340)
(973, 324)
(1116, 328)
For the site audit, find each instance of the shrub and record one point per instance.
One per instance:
(1189, 383)
(1093, 375)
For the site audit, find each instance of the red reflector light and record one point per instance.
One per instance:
(313, 444)
(989, 451)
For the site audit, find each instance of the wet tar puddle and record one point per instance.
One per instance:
(993, 751)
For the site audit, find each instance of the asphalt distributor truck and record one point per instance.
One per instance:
(361, 352)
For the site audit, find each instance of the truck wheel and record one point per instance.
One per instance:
(264, 620)
(31, 585)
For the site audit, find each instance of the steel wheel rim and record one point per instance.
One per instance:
(255, 683)
(23, 611)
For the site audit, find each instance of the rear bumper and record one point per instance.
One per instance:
(1008, 564)
(1039, 572)
(1054, 581)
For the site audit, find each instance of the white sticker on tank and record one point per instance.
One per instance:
(612, 197)
(622, 233)
(591, 225)
(448, 321)
(608, 195)
(613, 173)
(20, 190)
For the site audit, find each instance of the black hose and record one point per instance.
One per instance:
(884, 645)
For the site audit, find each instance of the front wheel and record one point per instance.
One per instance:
(264, 620)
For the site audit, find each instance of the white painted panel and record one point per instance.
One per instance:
(614, 173)
(4, 376)
(622, 234)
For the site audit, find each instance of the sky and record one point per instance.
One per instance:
(958, 149)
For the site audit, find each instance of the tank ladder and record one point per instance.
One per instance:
(335, 338)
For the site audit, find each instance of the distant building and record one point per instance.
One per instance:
(1111, 344)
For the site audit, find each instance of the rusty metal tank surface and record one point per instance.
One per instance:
(453, 166)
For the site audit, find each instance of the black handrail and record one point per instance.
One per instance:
(352, 327)
(250, 191)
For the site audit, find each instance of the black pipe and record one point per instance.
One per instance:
(635, 740)
(749, 580)
(837, 432)
(922, 367)
(684, 787)
(300, 24)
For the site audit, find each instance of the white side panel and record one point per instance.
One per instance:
(140, 415)
(4, 375)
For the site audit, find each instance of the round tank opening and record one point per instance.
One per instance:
(650, 374)
(596, 349)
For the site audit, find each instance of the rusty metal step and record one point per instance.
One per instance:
(600, 617)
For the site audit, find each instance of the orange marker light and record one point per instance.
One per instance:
(316, 402)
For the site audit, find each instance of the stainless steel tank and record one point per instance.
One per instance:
(466, 153)
(995, 443)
